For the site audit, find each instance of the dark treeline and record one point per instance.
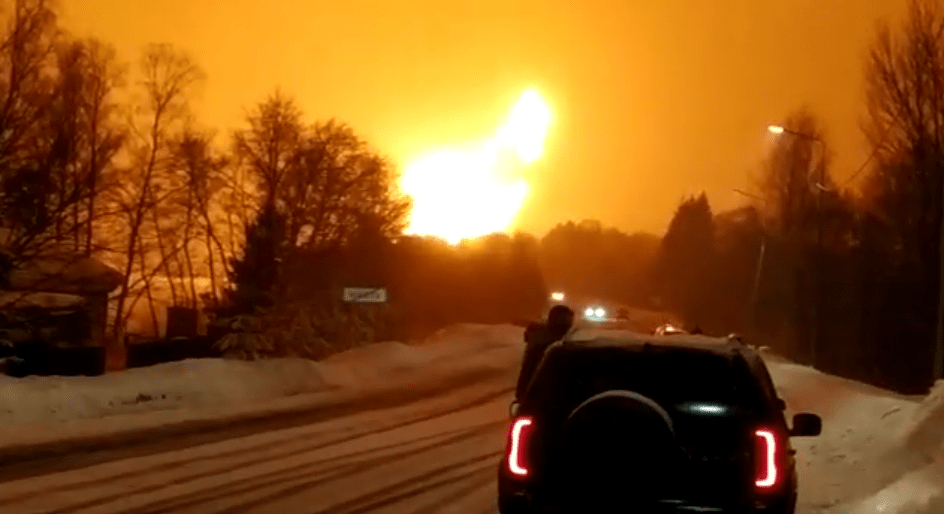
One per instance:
(586, 260)
(842, 274)
(104, 159)
(846, 278)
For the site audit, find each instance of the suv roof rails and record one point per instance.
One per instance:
(736, 338)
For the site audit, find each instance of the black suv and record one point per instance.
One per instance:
(616, 421)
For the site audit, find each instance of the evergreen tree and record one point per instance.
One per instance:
(686, 258)
(255, 276)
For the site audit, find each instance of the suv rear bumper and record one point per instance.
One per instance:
(522, 504)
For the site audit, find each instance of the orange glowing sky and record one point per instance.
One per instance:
(651, 100)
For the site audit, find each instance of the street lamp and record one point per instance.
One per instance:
(821, 187)
(779, 129)
(755, 289)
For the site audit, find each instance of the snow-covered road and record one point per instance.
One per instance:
(436, 455)
(879, 453)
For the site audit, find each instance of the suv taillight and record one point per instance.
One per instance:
(767, 459)
(517, 447)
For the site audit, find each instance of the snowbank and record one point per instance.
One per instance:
(191, 383)
(859, 427)
(879, 453)
(911, 472)
(203, 383)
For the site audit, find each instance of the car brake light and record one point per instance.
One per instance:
(519, 436)
(767, 472)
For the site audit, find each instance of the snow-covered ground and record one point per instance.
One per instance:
(879, 452)
(42, 409)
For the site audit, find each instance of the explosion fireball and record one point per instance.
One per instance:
(459, 194)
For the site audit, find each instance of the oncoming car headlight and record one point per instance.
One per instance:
(595, 313)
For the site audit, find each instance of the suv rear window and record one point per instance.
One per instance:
(669, 376)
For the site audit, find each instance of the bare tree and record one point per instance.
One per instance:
(203, 170)
(30, 202)
(795, 192)
(325, 179)
(905, 124)
(168, 78)
(340, 187)
(789, 177)
(273, 143)
(89, 77)
(327, 186)
(58, 134)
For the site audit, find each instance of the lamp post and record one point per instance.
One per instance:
(939, 346)
(755, 287)
(818, 267)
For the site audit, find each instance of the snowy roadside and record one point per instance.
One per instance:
(879, 452)
(907, 477)
(44, 410)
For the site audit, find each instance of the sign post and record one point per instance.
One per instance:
(365, 294)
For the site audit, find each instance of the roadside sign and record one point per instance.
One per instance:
(365, 294)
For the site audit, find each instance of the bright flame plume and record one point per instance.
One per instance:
(459, 194)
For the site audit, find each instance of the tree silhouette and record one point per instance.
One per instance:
(587, 260)
(59, 134)
(905, 190)
(686, 257)
(324, 178)
(253, 277)
(138, 192)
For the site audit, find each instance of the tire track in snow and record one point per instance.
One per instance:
(455, 500)
(309, 478)
(407, 488)
(475, 479)
(20, 462)
(243, 451)
(340, 464)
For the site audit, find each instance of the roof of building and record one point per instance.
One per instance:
(67, 273)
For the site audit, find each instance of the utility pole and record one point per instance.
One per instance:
(939, 347)
(820, 290)
(755, 292)
(754, 311)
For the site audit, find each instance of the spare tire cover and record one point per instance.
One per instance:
(618, 446)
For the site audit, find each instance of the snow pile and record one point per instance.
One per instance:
(460, 347)
(859, 428)
(194, 382)
(923, 434)
(203, 383)
(912, 472)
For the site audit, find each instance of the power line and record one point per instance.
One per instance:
(865, 164)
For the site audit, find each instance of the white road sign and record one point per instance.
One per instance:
(365, 294)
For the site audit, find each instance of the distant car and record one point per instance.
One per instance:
(595, 313)
(668, 330)
(616, 421)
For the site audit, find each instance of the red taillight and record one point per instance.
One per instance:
(520, 430)
(768, 472)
